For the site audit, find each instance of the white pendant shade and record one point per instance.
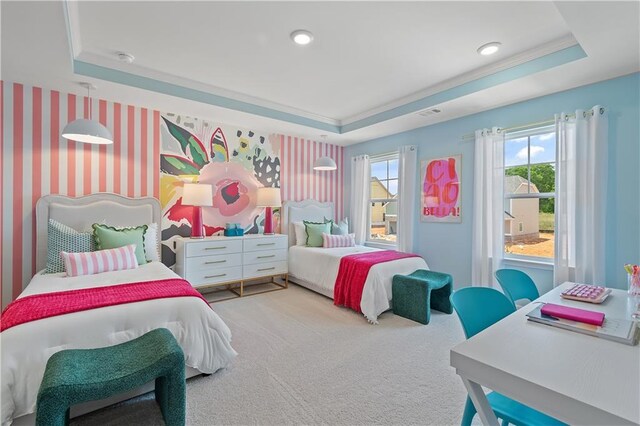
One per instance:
(324, 163)
(87, 131)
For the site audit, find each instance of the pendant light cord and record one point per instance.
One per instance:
(90, 103)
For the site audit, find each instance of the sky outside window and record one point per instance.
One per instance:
(543, 150)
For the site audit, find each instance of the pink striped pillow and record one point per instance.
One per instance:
(332, 241)
(94, 262)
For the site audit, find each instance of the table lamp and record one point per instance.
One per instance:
(197, 195)
(268, 197)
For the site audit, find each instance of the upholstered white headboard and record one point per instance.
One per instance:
(82, 212)
(296, 211)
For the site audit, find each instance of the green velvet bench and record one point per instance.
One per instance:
(81, 375)
(414, 295)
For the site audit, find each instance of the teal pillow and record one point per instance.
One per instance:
(341, 228)
(314, 232)
(108, 237)
(63, 238)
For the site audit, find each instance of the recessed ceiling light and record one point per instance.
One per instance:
(301, 37)
(489, 48)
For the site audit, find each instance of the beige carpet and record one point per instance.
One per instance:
(304, 361)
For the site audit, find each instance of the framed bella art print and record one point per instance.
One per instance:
(441, 185)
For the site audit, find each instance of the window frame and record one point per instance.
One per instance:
(529, 133)
(376, 242)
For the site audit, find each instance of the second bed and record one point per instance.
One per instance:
(316, 268)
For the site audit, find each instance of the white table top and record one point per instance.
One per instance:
(571, 376)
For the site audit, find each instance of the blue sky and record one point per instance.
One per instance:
(543, 150)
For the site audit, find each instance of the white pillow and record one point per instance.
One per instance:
(151, 243)
(301, 233)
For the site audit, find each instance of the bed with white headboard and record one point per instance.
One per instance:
(203, 336)
(316, 268)
(81, 212)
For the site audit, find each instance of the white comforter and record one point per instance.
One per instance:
(319, 266)
(203, 336)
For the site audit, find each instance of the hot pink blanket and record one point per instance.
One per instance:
(353, 272)
(40, 306)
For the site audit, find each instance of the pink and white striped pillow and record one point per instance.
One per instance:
(332, 241)
(94, 262)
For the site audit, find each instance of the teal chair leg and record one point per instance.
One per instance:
(51, 411)
(469, 412)
(440, 299)
(170, 395)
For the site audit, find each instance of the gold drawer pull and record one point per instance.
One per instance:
(215, 248)
(214, 261)
(266, 269)
(215, 276)
(266, 244)
(266, 257)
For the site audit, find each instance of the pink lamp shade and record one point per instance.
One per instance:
(197, 195)
(268, 198)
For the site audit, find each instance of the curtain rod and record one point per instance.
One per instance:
(535, 124)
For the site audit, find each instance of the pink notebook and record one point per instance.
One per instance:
(573, 314)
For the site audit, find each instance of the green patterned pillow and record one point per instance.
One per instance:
(315, 231)
(63, 238)
(108, 237)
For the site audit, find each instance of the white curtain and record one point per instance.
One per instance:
(581, 195)
(487, 241)
(360, 187)
(407, 160)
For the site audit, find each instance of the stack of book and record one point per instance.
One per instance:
(586, 322)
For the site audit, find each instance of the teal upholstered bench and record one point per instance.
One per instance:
(415, 294)
(81, 375)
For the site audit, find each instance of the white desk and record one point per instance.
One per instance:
(575, 378)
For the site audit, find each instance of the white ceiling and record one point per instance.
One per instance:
(367, 57)
(363, 55)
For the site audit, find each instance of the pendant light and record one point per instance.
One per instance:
(324, 163)
(87, 131)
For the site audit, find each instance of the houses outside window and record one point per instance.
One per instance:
(383, 202)
(529, 188)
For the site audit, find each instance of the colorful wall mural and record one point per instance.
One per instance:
(35, 161)
(234, 161)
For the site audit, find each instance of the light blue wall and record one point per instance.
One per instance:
(447, 247)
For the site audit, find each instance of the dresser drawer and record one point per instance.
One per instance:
(264, 269)
(213, 247)
(222, 275)
(213, 263)
(266, 256)
(273, 243)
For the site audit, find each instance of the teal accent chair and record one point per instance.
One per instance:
(74, 376)
(414, 295)
(477, 309)
(517, 285)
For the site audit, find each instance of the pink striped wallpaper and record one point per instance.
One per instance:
(36, 161)
(298, 179)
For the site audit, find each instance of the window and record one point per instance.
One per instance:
(383, 205)
(529, 223)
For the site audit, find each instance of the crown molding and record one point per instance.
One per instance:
(510, 62)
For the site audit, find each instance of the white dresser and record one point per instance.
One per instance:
(218, 261)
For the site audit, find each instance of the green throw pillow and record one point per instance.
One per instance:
(314, 232)
(108, 237)
(63, 238)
